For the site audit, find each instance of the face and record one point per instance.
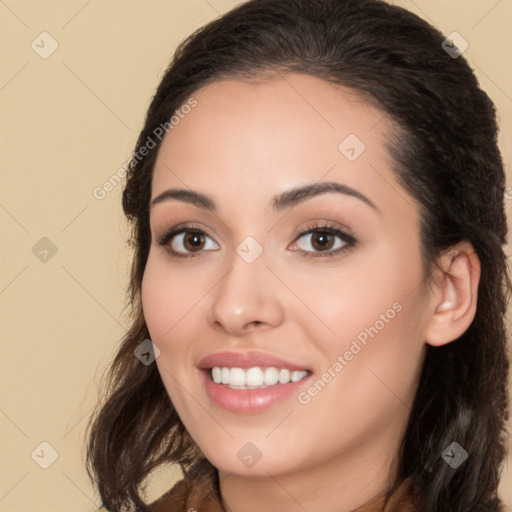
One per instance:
(284, 284)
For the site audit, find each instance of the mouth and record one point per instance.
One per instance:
(255, 377)
(249, 382)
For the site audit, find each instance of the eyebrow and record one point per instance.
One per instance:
(297, 195)
(284, 200)
(187, 196)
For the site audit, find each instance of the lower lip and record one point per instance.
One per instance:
(250, 400)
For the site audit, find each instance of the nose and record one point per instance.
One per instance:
(247, 298)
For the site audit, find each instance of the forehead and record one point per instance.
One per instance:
(276, 111)
(253, 139)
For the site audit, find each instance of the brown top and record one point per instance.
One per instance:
(200, 493)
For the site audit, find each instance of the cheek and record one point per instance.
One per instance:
(168, 296)
(167, 307)
(366, 293)
(370, 339)
(157, 298)
(369, 372)
(377, 311)
(174, 303)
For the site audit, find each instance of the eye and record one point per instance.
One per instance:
(322, 241)
(187, 242)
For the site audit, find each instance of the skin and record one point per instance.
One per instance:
(244, 143)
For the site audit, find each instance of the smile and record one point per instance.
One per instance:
(255, 377)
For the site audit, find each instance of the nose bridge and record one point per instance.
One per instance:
(245, 296)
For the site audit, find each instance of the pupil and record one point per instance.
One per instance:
(322, 240)
(193, 240)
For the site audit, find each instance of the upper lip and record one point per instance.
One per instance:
(246, 360)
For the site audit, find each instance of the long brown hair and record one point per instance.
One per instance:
(445, 154)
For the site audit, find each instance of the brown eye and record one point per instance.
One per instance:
(187, 242)
(322, 241)
(193, 241)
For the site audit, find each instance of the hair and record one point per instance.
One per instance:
(444, 153)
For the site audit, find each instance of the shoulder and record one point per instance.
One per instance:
(401, 498)
(198, 490)
(174, 500)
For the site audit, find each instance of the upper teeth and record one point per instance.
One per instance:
(240, 378)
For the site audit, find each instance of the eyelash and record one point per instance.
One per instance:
(349, 240)
(169, 236)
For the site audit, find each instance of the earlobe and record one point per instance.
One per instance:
(454, 295)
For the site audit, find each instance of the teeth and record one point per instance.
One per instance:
(217, 374)
(271, 376)
(296, 376)
(236, 377)
(284, 376)
(253, 378)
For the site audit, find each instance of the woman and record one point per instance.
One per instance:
(318, 226)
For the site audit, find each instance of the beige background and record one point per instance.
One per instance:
(68, 122)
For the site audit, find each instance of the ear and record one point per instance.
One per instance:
(454, 294)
